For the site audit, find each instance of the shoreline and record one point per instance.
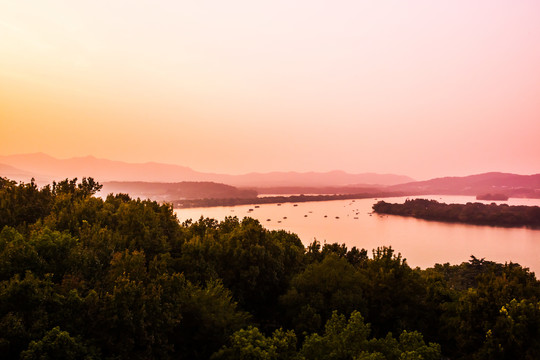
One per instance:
(202, 203)
(503, 215)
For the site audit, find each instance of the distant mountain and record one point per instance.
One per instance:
(323, 190)
(511, 185)
(176, 191)
(50, 168)
(14, 173)
(102, 170)
(146, 176)
(317, 179)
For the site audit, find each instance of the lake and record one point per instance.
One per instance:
(423, 243)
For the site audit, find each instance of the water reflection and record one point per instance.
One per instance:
(423, 243)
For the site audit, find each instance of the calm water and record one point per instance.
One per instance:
(422, 243)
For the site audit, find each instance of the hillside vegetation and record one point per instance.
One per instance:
(170, 192)
(117, 278)
(470, 213)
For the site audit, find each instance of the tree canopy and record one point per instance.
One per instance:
(120, 278)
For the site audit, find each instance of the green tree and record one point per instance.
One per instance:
(264, 261)
(477, 308)
(332, 284)
(349, 339)
(17, 255)
(395, 293)
(342, 339)
(251, 344)
(58, 345)
(23, 204)
(515, 334)
(26, 306)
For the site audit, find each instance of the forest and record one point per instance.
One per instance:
(470, 213)
(119, 278)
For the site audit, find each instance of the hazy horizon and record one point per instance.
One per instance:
(423, 89)
(229, 173)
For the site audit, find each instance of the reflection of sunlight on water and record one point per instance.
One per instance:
(423, 243)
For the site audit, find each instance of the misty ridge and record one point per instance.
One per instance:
(45, 168)
(189, 190)
(165, 182)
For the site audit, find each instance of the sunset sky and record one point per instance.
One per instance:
(420, 88)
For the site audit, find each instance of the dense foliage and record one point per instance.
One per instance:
(470, 213)
(86, 278)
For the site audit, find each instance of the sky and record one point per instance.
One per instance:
(419, 88)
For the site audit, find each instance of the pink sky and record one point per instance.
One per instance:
(421, 88)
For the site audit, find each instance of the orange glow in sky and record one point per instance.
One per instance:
(421, 88)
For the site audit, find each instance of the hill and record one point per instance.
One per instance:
(14, 173)
(47, 168)
(511, 185)
(50, 168)
(176, 191)
(317, 179)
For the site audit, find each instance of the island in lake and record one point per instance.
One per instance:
(492, 197)
(470, 213)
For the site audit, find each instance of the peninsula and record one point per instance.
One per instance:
(470, 213)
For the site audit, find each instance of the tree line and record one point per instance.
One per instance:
(211, 202)
(120, 278)
(470, 213)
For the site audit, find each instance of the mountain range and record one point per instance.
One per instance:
(45, 168)
(183, 190)
(167, 181)
(512, 185)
